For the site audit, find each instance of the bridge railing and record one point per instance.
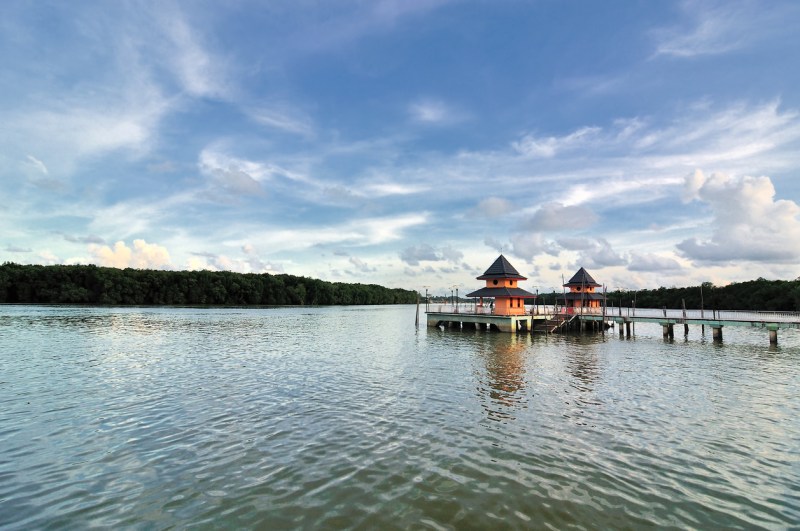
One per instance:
(610, 312)
(710, 315)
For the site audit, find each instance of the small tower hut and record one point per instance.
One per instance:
(501, 285)
(582, 292)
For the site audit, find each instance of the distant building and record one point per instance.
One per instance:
(582, 291)
(501, 285)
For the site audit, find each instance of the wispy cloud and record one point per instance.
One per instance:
(548, 147)
(330, 30)
(200, 72)
(717, 27)
(15, 249)
(434, 112)
(416, 254)
(283, 118)
(650, 262)
(38, 164)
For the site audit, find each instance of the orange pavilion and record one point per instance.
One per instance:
(582, 292)
(501, 285)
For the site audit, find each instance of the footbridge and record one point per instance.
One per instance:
(716, 319)
(552, 318)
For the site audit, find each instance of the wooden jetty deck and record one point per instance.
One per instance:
(483, 318)
(549, 319)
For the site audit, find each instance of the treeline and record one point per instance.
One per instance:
(89, 284)
(760, 295)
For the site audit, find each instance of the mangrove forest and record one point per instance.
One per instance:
(90, 284)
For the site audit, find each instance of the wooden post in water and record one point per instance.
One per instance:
(702, 311)
(685, 324)
(416, 321)
(773, 334)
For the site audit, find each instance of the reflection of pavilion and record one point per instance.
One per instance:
(503, 387)
(585, 371)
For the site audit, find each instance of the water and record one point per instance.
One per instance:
(349, 418)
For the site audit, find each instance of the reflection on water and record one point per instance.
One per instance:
(582, 364)
(501, 382)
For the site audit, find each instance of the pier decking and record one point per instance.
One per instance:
(546, 317)
(480, 318)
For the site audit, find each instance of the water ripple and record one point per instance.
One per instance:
(348, 418)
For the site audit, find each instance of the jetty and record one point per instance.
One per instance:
(506, 309)
(501, 305)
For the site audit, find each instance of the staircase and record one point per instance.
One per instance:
(554, 323)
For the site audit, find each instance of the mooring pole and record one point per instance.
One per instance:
(685, 324)
(416, 321)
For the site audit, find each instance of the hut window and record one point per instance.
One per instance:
(494, 282)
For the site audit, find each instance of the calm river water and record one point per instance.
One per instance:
(350, 418)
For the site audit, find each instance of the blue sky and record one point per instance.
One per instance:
(405, 143)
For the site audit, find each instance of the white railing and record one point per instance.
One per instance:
(709, 315)
(609, 312)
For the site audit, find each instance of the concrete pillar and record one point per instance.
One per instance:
(685, 329)
(621, 329)
(668, 331)
(773, 336)
(628, 329)
(716, 333)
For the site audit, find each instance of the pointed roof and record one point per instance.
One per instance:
(501, 268)
(582, 278)
(501, 293)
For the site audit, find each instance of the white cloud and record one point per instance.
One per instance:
(361, 266)
(389, 188)
(70, 130)
(652, 263)
(199, 71)
(142, 255)
(15, 249)
(713, 28)
(494, 207)
(581, 243)
(431, 111)
(748, 223)
(237, 181)
(137, 217)
(557, 217)
(601, 254)
(426, 253)
(38, 164)
(548, 147)
(222, 262)
(530, 244)
(357, 232)
(356, 20)
(285, 119)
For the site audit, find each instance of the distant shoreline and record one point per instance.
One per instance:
(106, 286)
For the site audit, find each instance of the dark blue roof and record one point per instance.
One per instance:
(582, 278)
(502, 292)
(501, 268)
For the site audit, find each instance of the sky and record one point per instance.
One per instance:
(405, 143)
